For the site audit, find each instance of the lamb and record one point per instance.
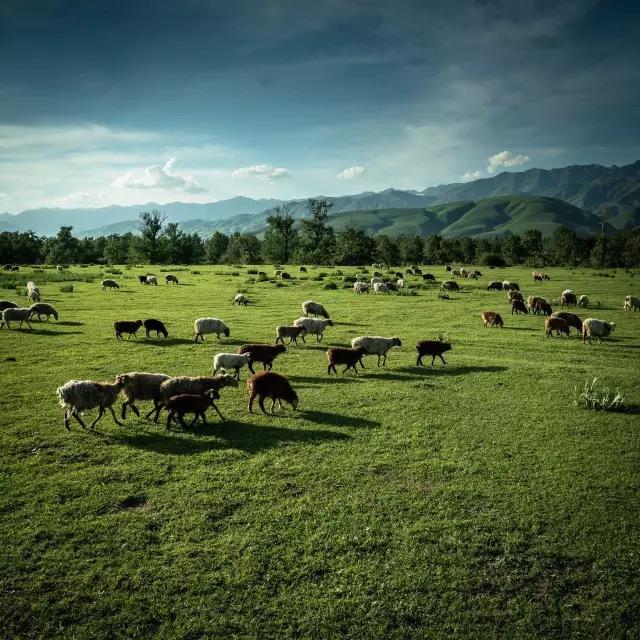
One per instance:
(240, 299)
(43, 309)
(631, 303)
(494, 285)
(514, 286)
(539, 305)
(380, 287)
(34, 294)
(450, 285)
(583, 301)
(126, 326)
(226, 361)
(571, 319)
(303, 269)
(342, 355)
(314, 308)
(170, 278)
(400, 283)
(151, 324)
(285, 276)
(109, 284)
(518, 306)
(593, 328)
(141, 386)
(189, 403)
(361, 287)
(514, 295)
(6, 304)
(152, 280)
(292, 333)
(491, 319)
(433, 348)
(142, 279)
(267, 384)
(20, 314)
(376, 346)
(313, 326)
(559, 325)
(203, 326)
(265, 353)
(568, 297)
(78, 396)
(376, 279)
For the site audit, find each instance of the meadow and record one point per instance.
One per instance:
(471, 500)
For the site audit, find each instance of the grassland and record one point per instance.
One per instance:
(471, 500)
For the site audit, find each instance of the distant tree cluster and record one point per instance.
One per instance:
(314, 241)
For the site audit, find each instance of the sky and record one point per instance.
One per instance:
(127, 102)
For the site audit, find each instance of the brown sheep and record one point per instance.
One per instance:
(491, 319)
(569, 298)
(559, 325)
(293, 333)
(570, 318)
(514, 295)
(346, 356)
(190, 403)
(518, 306)
(126, 326)
(267, 384)
(265, 353)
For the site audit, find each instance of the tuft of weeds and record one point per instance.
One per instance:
(66, 288)
(598, 397)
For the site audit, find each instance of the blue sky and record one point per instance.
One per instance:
(110, 101)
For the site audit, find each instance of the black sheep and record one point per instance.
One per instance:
(155, 325)
(433, 348)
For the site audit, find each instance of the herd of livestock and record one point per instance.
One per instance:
(184, 395)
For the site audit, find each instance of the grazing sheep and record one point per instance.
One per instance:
(494, 285)
(224, 361)
(313, 326)
(391, 286)
(30, 286)
(361, 287)
(380, 287)
(126, 326)
(267, 384)
(34, 294)
(478, 273)
(189, 403)
(559, 325)
(285, 276)
(342, 355)
(19, 314)
(539, 276)
(539, 305)
(428, 277)
(240, 299)
(377, 274)
(450, 285)
(400, 283)
(433, 348)
(262, 274)
(278, 272)
(265, 353)
(455, 273)
(314, 308)
(59, 267)
(376, 279)
(152, 280)
(376, 346)
(15, 267)
(303, 269)
(292, 333)
(514, 295)
(170, 278)
(416, 271)
(155, 325)
(143, 279)
(140, 385)
(569, 298)
(583, 301)
(78, 396)
(506, 285)
(594, 328)
(203, 326)
(491, 319)
(6, 304)
(472, 275)
(43, 309)
(448, 268)
(518, 306)
(109, 284)
(570, 318)
(399, 274)
(464, 273)
(631, 303)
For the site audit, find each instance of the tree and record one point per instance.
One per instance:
(150, 229)
(64, 248)
(317, 241)
(386, 250)
(243, 247)
(354, 246)
(170, 245)
(280, 236)
(564, 246)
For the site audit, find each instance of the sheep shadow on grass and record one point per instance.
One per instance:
(164, 342)
(70, 323)
(448, 370)
(337, 419)
(327, 379)
(48, 332)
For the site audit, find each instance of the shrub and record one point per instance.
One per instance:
(195, 273)
(406, 292)
(350, 279)
(235, 273)
(252, 272)
(597, 397)
(492, 260)
(443, 296)
(330, 286)
(66, 288)
(323, 274)
(114, 272)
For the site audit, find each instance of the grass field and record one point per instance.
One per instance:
(472, 500)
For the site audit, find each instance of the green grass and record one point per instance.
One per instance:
(472, 500)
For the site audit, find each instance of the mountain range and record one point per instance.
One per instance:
(509, 202)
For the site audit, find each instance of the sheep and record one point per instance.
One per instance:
(109, 284)
(514, 286)
(570, 318)
(376, 279)
(203, 326)
(59, 267)
(152, 280)
(518, 306)
(433, 348)
(189, 403)
(30, 286)
(34, 294)
(477, 273)
(43, 309)
(6, 304)
(240, 299)
(78, 396)
(226, 361)
(428, 277)
(494, 285)
(391, 286)
(594, 328)
(278, 272)
(377, 274)
(380, 287)
(539, 305)
(143, 279)
(631, 303)
(20, 314)
(292, 333)
(491, 319)
(539, 276)
(170, 278)
(265, 353)
(568, 297)
(15, 267)
(450, 285)
(140, 385)
(559, 325)
(583, 301)
(399, 274)
(455, 273)
(314, 308)
(376, 346)
(361, 287)
(285, 276)
(464, 273)
(514, 295)
(472, 275)
(126, 326)
(151, 324)
(400, 283)
(416, 271)
(267, 384)
(342, 355)
(448, 268)
(313, 326)
(303, 269)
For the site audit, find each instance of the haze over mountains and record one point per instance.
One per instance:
(509, 202)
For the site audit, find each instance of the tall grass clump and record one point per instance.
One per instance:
(66, 288)
(598, 397)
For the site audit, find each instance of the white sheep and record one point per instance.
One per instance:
(78, 396)
(225, 361)
(314, 308)
(109, 284)
(210, 325)
(376, 279)
(16, 315)
(631, 303)
(313, 326)
(30, 286)
(43, 309)
(152, 280)
(583, 301)
(380, 287)
(376, 346)
(34, 294)
(400, 283)
(141, 386)
(361, 287)
(241, 299)
(594, 328)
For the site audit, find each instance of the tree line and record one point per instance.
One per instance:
(313, 241)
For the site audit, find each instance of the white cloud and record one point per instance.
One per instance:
(262, 172)
(470, 176)
(157, 177)
(506, 159)
(3, 195)
(351, 173)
